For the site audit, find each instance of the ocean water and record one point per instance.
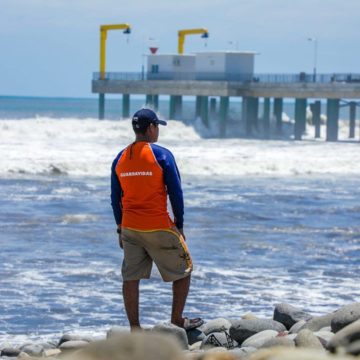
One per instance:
(266, 222)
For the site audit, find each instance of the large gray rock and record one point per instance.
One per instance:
(345, 316)
(259, 339)
(345, 336)
(324, 337)
(279, 341)
(289, 315)
(218, 339)
(318, 322)
(243, 329)
(116, 331)
(297, 327)
(305, 338)
(73, 345)
(216, 325)
(176, 331)
(194, 336)
(10, 352)
(354, 348)
(72, 337)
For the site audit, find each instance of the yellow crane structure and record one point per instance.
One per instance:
(103, 36)
(183, 33)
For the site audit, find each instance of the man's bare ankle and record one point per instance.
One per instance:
(135, 328)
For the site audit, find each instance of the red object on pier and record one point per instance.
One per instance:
(153, 49)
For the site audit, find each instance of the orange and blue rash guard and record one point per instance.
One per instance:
(142, 175)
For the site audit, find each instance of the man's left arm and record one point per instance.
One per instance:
(173, 184)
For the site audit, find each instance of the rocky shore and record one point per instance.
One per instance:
(291, 333)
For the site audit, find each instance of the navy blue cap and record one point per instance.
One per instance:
(144, 117)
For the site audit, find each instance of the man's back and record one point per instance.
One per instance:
(146, 172)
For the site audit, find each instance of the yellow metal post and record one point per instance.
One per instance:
(103, 36)
(183, 33)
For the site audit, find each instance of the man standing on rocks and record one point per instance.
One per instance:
(142, 175)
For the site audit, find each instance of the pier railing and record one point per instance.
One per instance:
(245, 78)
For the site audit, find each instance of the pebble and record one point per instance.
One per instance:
(10, 352)
(243, 329)
(289, 315)
(216, 325)
(243, 351)
(260, 338)
(176, 331)
(116, 331)
(32, 349)
(278, 341)
(345, 316)
(195, 346)
(51, 352)
(146, 345)
(305, 338)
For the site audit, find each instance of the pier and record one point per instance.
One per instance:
(338, 90)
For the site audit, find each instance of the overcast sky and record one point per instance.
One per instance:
(51, 47)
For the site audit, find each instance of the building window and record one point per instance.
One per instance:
(154, 69)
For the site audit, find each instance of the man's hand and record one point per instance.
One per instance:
(181, 231)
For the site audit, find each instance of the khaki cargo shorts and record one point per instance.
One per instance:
(167, 248)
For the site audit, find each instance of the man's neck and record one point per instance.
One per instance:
(140, 138)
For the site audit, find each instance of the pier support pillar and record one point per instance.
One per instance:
(266, 118)
(175, 111)
(155, 101)
(278, 110)
(252, 107)
(332, 124)
(316, 112)
(300, 118)
(204, 112)
(352, 109)
(212, 106)
(125, 106)
(148, 101)
(101, 106)
(172, 107)
(178, 107)
(152, 101)
(224, 112)
(198, 107)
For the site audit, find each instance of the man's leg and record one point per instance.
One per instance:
(131, 302)
(180, 293)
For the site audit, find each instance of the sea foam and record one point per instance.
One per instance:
(87, 147)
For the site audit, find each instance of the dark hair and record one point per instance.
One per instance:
(140, 130)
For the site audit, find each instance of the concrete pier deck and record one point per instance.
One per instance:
(227, 88)
(342, 90)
